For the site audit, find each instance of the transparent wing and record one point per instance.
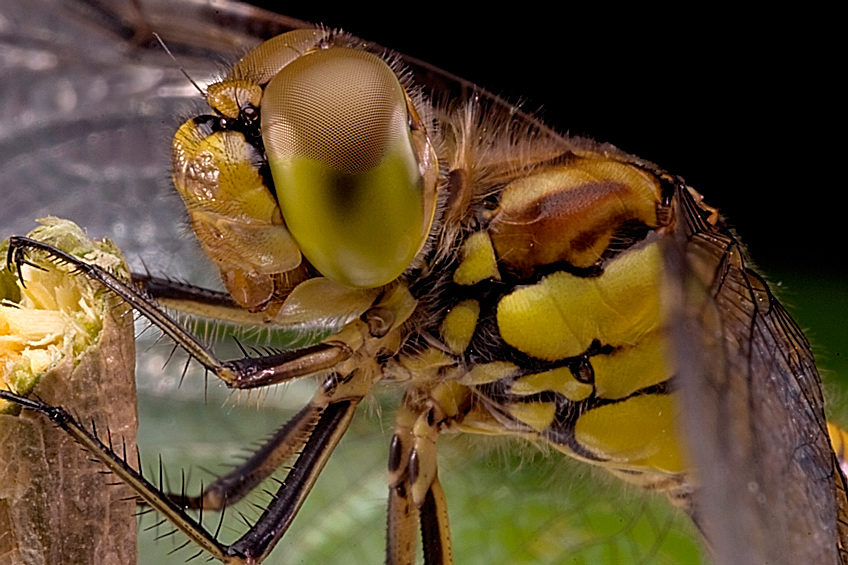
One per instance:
(87, 106)
(89, 102)
(772, 491)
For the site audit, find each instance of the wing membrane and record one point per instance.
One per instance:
(771, 489)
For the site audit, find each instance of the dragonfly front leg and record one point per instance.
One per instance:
(248, 372)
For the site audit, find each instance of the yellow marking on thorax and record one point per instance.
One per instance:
(488, 373)
(537, 415)
(571, 212)
(563, 314)
(559, 380)
(631, 368)
(459, 324)
(478, 260)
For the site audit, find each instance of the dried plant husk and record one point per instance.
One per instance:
(70, 342)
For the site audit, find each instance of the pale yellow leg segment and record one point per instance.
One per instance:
(401, 537)
(416, 497)
(402, 522)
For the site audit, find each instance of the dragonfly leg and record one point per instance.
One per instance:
(416, 497)
(281, 447)
(248, 372)
(314, 432)
(195, 300)
(332, 411)
(120, 467)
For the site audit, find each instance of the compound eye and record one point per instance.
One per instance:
(354, 172)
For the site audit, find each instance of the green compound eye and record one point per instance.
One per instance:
(354, 172)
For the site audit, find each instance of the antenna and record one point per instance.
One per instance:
(177, 63)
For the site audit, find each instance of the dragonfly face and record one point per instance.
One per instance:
(333, 125)
(485, 226)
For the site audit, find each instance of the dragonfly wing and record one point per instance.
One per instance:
(770, 488)
(88, 102)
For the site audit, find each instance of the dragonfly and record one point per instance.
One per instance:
(151, 250)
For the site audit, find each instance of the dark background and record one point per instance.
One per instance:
(744, 106)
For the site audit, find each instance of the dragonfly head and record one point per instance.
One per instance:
(344, 171)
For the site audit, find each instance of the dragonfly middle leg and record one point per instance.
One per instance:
(416, 497)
